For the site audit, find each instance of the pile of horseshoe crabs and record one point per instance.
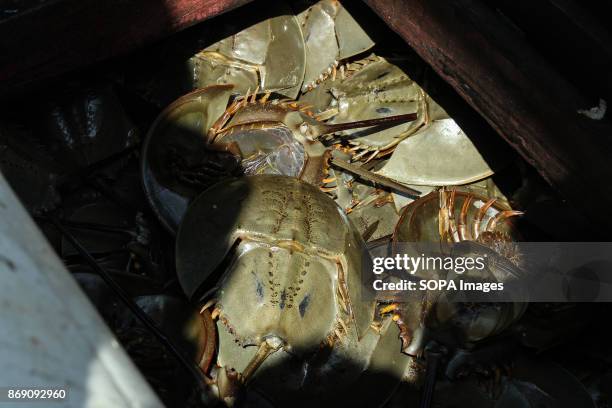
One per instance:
(296, 148)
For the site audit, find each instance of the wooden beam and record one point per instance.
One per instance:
(522, 97)
(61, 35)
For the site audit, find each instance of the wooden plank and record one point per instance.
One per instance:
(524, 99)
(61, 35)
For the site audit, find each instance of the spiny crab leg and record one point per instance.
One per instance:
(392, 307)
(210, 340)
(360, 155)
(450, 208)
(254, 95)
(373, 177)
(313, 128)
(217, 127)
(266, 348)
(458, 230)
(405, 333)
(264, 98)
(502, 215)
(463, 230)
(442, 213)
(479, 216)
(238, 103)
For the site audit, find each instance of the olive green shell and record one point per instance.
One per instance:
(420, 223)
(269, 55)
(181, 127)
(292, 242)
(331, 34)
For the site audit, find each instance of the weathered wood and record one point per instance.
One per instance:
(59, 36)
(529, 104)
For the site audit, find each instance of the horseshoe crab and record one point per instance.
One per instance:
(454, 216)
(458, 216)
(330, 36)
(248, 49)
(288, 304)
(375, 87)
(461, 162)
(250, 125)
(201, 138)
(86, 126)
(372, 87)
(269, 55)
(175, 163)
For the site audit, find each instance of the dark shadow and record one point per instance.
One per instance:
(63, 110)
(330, 383)
(173, 315)
(579, 29)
